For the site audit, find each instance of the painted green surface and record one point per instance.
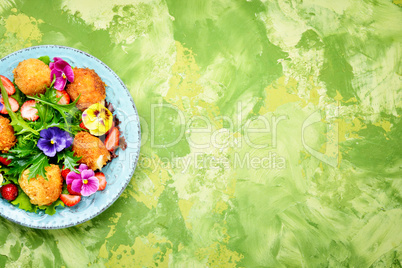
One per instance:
(328, 69)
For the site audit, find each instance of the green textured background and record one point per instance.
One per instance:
(335, 201)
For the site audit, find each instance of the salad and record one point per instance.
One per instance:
(57, 131)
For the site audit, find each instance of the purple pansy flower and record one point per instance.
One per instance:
(1, 104)
(85, 182)
(63, 72)
(54, 140)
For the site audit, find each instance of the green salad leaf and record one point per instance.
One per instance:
(45, 59)
(20, 125)
(51, 210)
(50, 98)
(23, 202)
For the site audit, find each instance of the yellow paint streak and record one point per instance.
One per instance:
(386, 125)
(103, 253)
(185, 75)
(149, 182)
(24, 28)
(185, 92)
(338, 96)
(348, 130)
(149, 251)
(397, 2)
(314, 96)
(220, 207)
(218, 255)
(279, 93)
(185, 207)
(113, 226)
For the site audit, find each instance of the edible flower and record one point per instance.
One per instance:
(98, 119)
(63, 72)
(84, 182)
(54, 140)
(1, 104)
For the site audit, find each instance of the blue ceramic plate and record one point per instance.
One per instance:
(118, 172)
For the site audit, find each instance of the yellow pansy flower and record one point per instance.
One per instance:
(98, 119)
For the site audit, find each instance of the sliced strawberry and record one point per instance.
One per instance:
(70, 200)
(5, 161)
(71, 190)
(65, 172)
(28, 111)
(65, 98)
(9, 192)
(102, 180)
(83, 126)
(13, 103)
(110, 130)
(112, 139)
(8, 85)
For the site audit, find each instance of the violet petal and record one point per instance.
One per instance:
(60, 83)
(60, 143)
(68, 71)
(46, 134)
(57, 59)
(51, 65)
(85, 174)
(46, 147)
(68, 139)
(82, 167)
(76, 185)
(71, 176)
(91, 187)
(60, 65)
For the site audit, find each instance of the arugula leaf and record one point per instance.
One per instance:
(22, 149)
(19, 96)
(19, 125)
(51, 99)
(45, 59)
(39, 162)
(18, 166)
(70, 161)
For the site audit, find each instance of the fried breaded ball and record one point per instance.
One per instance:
(32, 76)
(92, 150)
(7, 137)
(91, 87)
(41, 191)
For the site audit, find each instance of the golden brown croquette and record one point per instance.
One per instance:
(92, 150)
(91, 87)
(41, 191)
(7, 137)
(32, 76)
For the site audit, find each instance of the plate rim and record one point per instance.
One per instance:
(138, 141)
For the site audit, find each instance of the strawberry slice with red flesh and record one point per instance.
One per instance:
(28, 111)
(65, 98)
(5, 161)
(71, 190)
(83, 126)
(102, 181)
(8, 85)
(112, 139)
(70, 200)
(64, 173)
(13, 103)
